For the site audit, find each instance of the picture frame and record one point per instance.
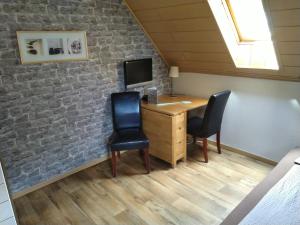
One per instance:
(52, 46)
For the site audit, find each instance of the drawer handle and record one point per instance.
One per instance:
(180, 128)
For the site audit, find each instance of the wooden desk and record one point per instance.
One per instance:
(165, 126)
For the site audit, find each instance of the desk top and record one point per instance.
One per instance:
(174, 109)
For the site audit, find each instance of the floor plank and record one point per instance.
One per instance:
(192, 193)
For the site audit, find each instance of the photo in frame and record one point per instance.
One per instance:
(52, 46)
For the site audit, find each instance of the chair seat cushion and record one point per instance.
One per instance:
(127, 139)
(194, 126)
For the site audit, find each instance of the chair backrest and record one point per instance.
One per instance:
(126, 110)
(214, 113)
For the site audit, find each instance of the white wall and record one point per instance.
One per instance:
(262, 116)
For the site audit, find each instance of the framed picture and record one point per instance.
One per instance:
(52, 46)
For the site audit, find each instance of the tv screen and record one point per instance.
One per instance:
(137, 72)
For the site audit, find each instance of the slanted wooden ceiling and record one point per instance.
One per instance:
(186, 34)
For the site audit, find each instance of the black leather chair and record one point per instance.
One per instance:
(127, 123)
(210, 124)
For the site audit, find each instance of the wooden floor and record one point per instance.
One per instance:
(192, 193)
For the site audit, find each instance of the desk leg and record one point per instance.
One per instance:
(184, 158)
(205, 150)
(174, 164)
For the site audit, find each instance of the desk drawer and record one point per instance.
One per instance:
(6, 211)
(180, 119)
(180, 132)
(180, 147)
(179, 127)
(3, 193)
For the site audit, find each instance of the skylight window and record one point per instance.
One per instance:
(249, 19)
(244, 26)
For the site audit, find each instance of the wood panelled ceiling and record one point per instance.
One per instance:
(186, 34)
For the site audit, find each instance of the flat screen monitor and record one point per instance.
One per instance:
(138, 72)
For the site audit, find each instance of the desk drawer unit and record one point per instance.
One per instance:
(179, 127)
(179, 138)
(7, 216)
(167, 135)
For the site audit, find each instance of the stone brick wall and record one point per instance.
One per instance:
(56, 116)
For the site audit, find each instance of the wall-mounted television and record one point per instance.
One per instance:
(138, 72)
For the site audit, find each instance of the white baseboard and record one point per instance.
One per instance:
(245, 153)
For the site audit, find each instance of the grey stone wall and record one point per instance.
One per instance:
(56, 116)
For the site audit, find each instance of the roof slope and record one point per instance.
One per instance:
(187, 35)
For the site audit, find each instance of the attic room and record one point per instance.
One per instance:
(149, 112)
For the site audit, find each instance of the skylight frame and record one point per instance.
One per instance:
(232, 22)
(233, 17)
(248, 54)
(229, 11)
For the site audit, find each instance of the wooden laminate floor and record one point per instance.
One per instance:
(192, 193)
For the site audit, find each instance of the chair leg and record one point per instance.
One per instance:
(194, 139)
(205, 150)
(114, 163)
(119, 155)
(147, 159)
(219, 142)
(141, 152)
